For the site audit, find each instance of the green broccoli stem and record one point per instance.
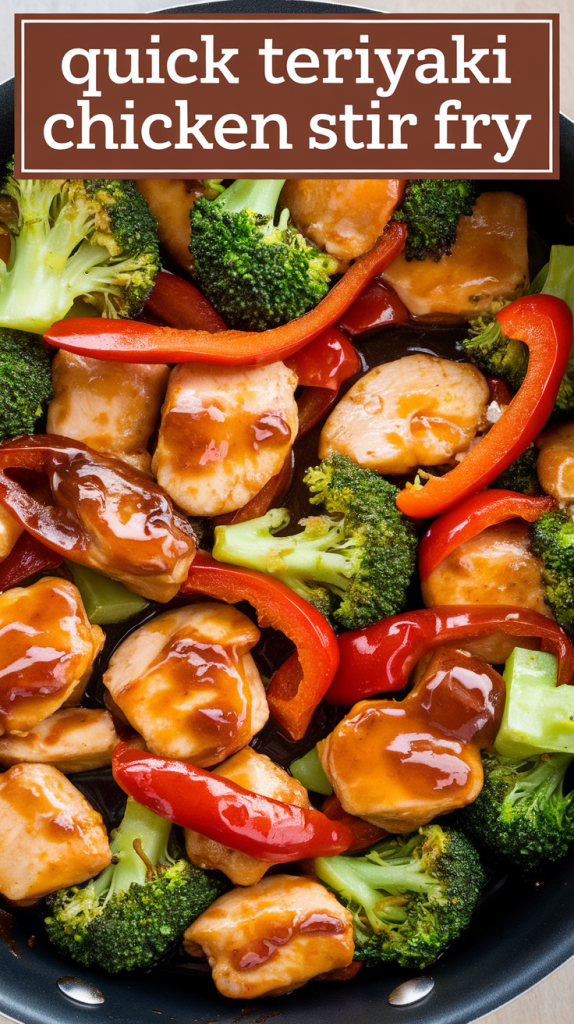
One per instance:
(545, 783)
(139, 844)
(246, 194)
(361, 883)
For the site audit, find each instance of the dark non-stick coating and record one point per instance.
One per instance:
(521, 932)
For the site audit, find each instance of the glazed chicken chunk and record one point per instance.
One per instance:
(170, 200)
(50, 837)
(344, 216)
(187, 683)
(489, 262)
(258, 774)
(72, 739)
(112, 407)
(416, 411)
(400, 763)
(555, 465)
(225, 431)
(272, 937)
(47, 652)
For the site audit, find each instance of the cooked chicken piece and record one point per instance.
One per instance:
(260, 775)
(489, 262)
(170, 200)
(50, 837)
(186, 682)
(72, 739)
(47, 651)
(272, 937)
(495, 567)
(344, 216)
(416, 411)
(225, 431)
(555, 466)
(10, 530)
(399, 764)
(112, 407)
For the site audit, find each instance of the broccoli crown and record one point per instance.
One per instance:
(521, 816)
(257, 274)
(494, 353)
(431, 209)
(410, 895)
(25, 381)
(552, 539)
(129, 915)
(521, 475)
(70, 239)
(354, 568)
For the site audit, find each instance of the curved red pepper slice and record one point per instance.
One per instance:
(544, 323)
(377, 307)
(298, 686)
(312, 405)
(133, 342)
(180, 304)
(382, 656)
(325, 362)
(27, 557)
(225, 812)
(469, 518)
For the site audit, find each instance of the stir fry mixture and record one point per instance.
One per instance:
(341, 698)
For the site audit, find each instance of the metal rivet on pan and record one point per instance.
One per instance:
(411, 991)
(80, 991)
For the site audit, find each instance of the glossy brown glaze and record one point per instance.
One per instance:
(270, 938)
(398, 764)
(225, 431)
(72, 739)
(99, 512)
(47, 649)
(186, 682)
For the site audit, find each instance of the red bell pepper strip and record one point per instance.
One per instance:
(469, 518)
(325, 362)
(364, 834)
(382, 656)
(133, 342)
(544, 324)
(180, 304)
(271, 494)
(312, 405)
(27, 557)
(377, 307)
(225, 812)
(295, 691)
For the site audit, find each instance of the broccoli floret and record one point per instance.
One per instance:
(431, 209)
(354, 568)
(257, 274)
(69, 239)
(521, 475)
(552, 539)
(521, 816)
(25, 381)
(129, 915)
(410, 895)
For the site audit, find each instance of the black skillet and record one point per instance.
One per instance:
(520, 934)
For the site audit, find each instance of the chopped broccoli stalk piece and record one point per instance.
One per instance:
(507, 358)
(431, 209)
(538, 715)
(308, 770)
(521, 475)
(70, 238)
(410, 895)
(257, 274)
(129, 915)
(105, 600)
(354, 568)
(25, 381)
(521, 817)
(552, 539)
